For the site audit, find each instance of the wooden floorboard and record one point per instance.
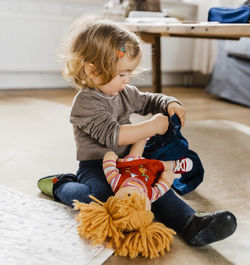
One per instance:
(199, 104)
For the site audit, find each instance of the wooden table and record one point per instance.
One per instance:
(152, 34)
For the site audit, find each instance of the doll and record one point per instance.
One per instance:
(149, 177)
(125, 221)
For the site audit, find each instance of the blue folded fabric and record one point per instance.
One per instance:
(229, 15)
(173, 146)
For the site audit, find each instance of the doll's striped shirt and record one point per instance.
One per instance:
(113, 177)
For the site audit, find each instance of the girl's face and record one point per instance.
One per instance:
(125, 67)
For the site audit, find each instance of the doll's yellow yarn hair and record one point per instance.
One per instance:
(99, 222)
(125, 225)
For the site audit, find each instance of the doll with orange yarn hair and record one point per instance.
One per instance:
(149, 177)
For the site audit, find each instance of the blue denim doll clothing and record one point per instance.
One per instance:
(173, 146)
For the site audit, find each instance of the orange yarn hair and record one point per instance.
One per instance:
(124, 225)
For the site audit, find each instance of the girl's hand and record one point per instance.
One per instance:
(176, 108)
(160, 123)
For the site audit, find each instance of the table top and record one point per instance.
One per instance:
(197, 30)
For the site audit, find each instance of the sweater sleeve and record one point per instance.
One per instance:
(146, 102)
(95, 119)
(112, 173)
(159, 189)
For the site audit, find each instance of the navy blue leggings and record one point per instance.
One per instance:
(90, 180)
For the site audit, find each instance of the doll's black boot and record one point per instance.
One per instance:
(204, 228)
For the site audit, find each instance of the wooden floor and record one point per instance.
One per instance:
(36, 141)
(199, 104)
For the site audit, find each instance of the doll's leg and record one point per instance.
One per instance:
(182, 165)
(169, 165)
(138, 148)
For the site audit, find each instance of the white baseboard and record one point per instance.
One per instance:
(31, 80)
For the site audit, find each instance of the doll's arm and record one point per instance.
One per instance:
(138, 148)
(162, 185)
(109, 167)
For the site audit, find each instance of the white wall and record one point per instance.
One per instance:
(31, 29)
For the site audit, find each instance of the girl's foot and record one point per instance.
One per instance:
(205, 228)
(47, 185)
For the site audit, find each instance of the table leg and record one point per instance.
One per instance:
(156, 64)
(155, 41)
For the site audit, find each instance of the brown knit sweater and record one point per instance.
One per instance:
(96, 118)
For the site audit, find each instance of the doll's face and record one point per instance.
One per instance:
(127, 191)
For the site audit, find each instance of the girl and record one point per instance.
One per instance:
(99, 58)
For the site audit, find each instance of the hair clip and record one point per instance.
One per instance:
(120, 53)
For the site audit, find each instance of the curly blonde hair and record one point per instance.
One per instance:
(94, 41)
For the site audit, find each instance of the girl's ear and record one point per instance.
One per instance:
(89, 69)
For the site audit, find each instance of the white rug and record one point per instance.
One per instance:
(35, 231)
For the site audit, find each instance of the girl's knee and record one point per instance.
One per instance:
(71, 191)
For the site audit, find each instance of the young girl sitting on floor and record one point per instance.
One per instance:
(99, 59)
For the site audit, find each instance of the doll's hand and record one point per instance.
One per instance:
(110, 155)
(176, 108)
(160, 123)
